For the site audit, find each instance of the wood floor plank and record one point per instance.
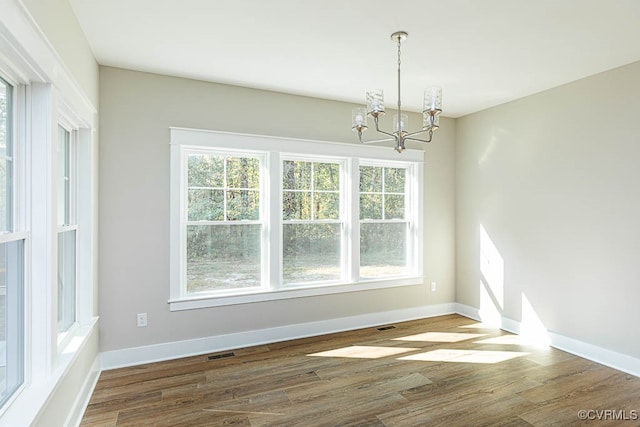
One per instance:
(411, 374)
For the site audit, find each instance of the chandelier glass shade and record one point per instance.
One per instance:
(375, 108)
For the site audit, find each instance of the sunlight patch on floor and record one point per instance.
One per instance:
(440, 337)
(465, 356)
(364, 352)
(479, 325)
(504, 339)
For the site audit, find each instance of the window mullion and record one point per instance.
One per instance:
(273, 235)
(352, 210)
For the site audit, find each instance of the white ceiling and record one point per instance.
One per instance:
(482, 52)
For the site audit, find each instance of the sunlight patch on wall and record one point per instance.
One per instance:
(489, 313)
(492, 267)
(364, 352)
(465, 356)
(492, 280)
(532, 329)
(439, 337)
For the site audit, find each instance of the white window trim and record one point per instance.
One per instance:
(46, 88)
(276, 149)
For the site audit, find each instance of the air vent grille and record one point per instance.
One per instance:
(221, 355)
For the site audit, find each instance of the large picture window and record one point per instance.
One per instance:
(254, 220)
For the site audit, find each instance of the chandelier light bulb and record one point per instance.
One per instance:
(359, 119)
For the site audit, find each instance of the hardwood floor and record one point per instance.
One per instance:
(443, 371)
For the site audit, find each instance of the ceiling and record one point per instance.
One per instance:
(482, 52)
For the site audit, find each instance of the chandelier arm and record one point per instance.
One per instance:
(415, 133)
(375, 120)
(378, 140)
(421, 140)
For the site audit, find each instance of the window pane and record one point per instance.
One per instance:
(383, 249)
(243, 205)
(66, 280)
(63, 177)
(370, 179)
(243, 172)
(206, 205)
(11, 318)
(326, 176)
(5, 105)
(311, 252)
(223, 257)
(394, 180)
(206, 171)
(393, 206)
(214, 196)
(5, 156)
(371, 206)
(296, 205)
(5, 195)
(296, 175)
(326, 206)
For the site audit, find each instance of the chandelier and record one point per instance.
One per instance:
(432, 108)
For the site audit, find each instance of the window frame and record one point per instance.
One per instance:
(342, 219)
(69, 222)
(185, 222)
(16, 233)
(410, 194)
(275, 150)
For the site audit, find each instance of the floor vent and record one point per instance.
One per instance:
(386, 328)
(221, 355)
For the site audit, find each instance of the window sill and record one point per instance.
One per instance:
(204, 301)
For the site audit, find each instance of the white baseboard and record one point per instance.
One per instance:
(173, 350)
(84, 395)
(612, 359)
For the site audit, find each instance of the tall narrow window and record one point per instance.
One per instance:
(67, 231)
(11, 259)
(223, 223)
(312, 227)
(383, 222)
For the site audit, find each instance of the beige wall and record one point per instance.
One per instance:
(554, 181)
(136, 110)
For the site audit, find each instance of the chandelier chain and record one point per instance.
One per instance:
(399, 101)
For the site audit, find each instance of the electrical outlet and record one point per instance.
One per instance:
(434, 286)
(142, 320)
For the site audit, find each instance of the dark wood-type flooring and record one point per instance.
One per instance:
(443, 371)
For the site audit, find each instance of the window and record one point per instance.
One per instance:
(67, 229)
(223, 228)
(383, 221)
(312, 228)
(251, 220)
(11, 257)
